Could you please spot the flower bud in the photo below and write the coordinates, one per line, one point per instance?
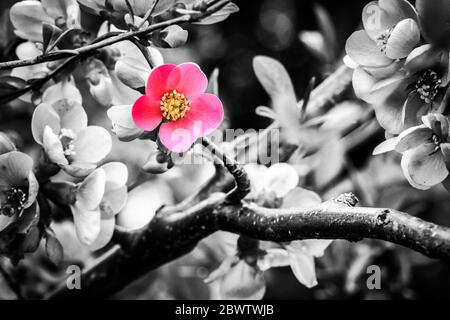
(157, 163)
(101, 90)
(132, 72)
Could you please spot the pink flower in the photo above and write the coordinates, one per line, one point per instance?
(175, 101)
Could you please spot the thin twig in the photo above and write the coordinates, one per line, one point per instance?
(237, 171)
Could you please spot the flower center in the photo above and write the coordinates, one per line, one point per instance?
(67, 136)
(15, 200)
(428, 85)
(383, 38)
(174, 105)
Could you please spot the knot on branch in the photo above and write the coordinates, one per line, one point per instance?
(349, 199)
(383, 218)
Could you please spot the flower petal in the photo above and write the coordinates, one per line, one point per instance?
(301, 198)
(157, 81)
(207, 109)
(105, 235)
(53, 147)
(403, 39)
(91, 191)
(146, 113)
(189, 79)
(313, 247)
(122, 123)
(254, 173)
(62, 90)
(27, 18)
(413, 110)
(385, 146)
(303, 267)
(33, 189)
(178, 136)
(365, 51)
(424, 166)
(44, 116)
(116, 174)
(92, 145)
(71, 114)
(413, 137)
(243, 282)
(274, 258)
(280, 179)
(87, 224)
(15, 168)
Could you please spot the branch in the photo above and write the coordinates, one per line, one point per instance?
(169, 236)
(237, 171)
(91, 48)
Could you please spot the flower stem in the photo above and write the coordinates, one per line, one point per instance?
(237, 171)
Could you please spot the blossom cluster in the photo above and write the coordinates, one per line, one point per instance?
(401, 67)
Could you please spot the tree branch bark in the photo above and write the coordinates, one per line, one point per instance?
(169, 236)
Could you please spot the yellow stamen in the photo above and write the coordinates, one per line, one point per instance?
(174, 105)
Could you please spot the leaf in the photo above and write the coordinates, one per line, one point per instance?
(9, 85)
(328, 30)
(54, 249)
(49, 34)
(213, 82)
(277, 83)
(220, 15)
(171, 37)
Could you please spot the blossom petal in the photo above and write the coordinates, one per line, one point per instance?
(274, 258)
(44, 116)
(413, 110)
(122, 123)
(178, 136)
(71, 114)
(157, 81)
(53, 147)
(314, 247)
(113, 201)
(62, 90)
(424, 166)
(27, 18)
(87, 224)
(301, 198)
(413, 137)
(116, 174)
(146, 113)
(254, 173)
(15, 168)
(105, 234)
(189, 79)
(385, 146)
(303, 267)
(403, 39)
(365, 51)
(207, 109)
(243, 282)
(363, 83)
(92, 144)
(280, 179)
(91, 191)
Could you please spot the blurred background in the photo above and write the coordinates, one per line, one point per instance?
(275, 29)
